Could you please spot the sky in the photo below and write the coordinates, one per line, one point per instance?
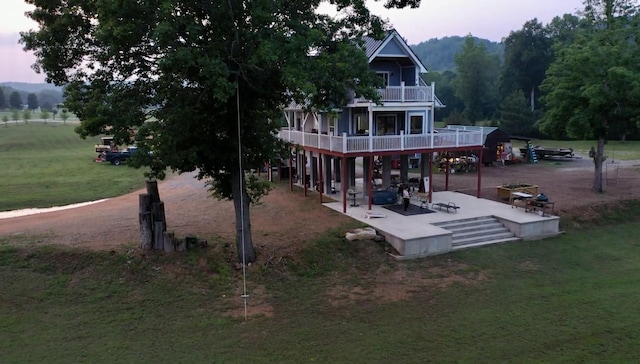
(489, 19)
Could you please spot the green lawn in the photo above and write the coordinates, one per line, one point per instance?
(568, 299)
(50, 165)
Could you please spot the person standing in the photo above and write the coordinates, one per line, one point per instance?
(406, 196)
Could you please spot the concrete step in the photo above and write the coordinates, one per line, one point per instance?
(471, 222)
(467, 233)
(475, 228)
(459, 235)
(483, 243)
(483, 238)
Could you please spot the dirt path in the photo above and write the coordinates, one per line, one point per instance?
(287, 219)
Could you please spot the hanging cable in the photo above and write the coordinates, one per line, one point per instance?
(244, 260)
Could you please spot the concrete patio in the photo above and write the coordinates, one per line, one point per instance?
(477, 222)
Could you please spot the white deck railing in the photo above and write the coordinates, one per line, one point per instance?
(443, 139)
(403, 93)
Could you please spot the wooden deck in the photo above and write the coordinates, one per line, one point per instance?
(441, 139)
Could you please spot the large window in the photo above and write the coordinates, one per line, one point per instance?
(386, 125)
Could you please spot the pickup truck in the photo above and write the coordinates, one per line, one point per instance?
(118, 157)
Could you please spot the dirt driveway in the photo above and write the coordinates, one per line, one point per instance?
(285, 219)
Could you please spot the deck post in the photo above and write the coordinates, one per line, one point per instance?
(320, 176)
(344, 184)
(478, 194)
(401, 139)
(402, 91)
(430, 177)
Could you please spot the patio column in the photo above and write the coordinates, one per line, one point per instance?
(320, 186)
(328, 186)
(344, 184)
(479, 167)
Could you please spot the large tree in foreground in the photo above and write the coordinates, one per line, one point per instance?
(199, 83)
(594, 83)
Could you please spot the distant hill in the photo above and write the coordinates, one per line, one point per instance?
(438, 54)
(31, 87)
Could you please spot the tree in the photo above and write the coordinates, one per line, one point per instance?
(5, 118)
(26, 115)
(594, 83)
(527, 55)
(44, 114)
(15, 100)
(64, 115)
(516, 117)
(15, 114)
(446, 93)
(3, 98)
(476, 81)
(201, 84)
(32, 101)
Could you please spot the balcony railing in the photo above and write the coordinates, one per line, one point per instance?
(442, 139)
(403, 93)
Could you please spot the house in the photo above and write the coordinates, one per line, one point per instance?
(328, 144)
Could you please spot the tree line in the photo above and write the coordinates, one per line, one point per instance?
(518, 90)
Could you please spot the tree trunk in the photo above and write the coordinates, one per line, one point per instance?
(532, 97)
(597, 181)
(244, 242)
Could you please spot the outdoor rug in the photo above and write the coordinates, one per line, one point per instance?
(412, 210)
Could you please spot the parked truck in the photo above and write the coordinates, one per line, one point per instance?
(118, 157)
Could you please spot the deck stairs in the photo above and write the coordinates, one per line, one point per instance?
(476, 232)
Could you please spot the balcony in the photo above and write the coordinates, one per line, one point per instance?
(402, 93)
(351, 144)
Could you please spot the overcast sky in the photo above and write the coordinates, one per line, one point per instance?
(490, 19)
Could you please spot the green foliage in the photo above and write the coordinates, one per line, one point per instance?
(3, 99)
(528, 54)
(439, 54)
(446, 93)
(26, 115)
(516, 117)
(15, 100)
(476, 82)
(32, 101)
(49, 165)
(5, 118)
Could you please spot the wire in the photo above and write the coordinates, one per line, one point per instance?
(244, 260)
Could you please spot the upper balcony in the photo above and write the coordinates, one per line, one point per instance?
(441, 139)
(403, 94)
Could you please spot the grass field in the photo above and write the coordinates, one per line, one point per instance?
(50, 165)
(571, 299)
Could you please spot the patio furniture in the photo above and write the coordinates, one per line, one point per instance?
(449, 206)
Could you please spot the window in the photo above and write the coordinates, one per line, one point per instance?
(361, 123)
(333, 123)
(415, 124)
(386, 125)
(385, 78)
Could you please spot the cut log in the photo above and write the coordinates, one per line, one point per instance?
(157, 210)
(152, 189)
(169, 242)
(144, 202)
(146, 231)
(158, 236)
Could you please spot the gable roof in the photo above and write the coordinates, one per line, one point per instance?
(373, 47)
